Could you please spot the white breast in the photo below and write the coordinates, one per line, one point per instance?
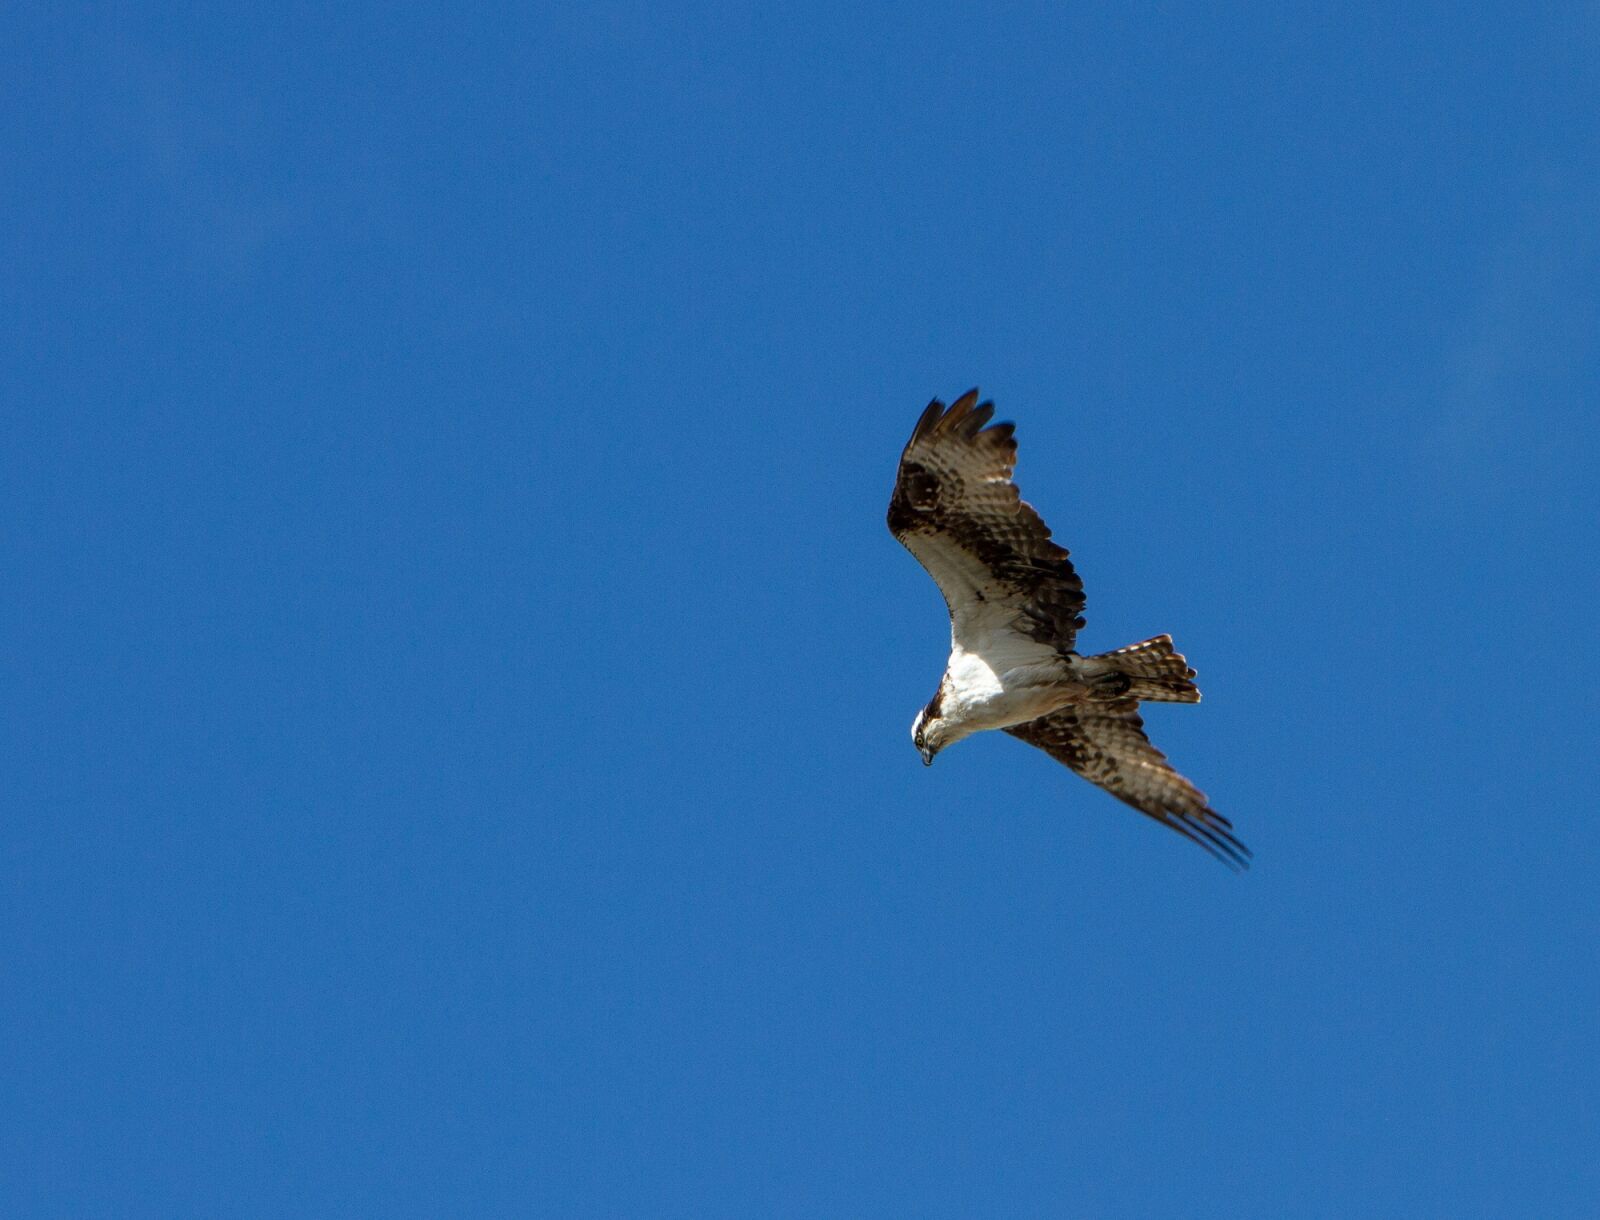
(997, 677)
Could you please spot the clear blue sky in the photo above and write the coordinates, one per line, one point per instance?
(458, 681)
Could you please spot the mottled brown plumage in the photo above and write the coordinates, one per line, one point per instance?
(955, 508)
(1106, 744)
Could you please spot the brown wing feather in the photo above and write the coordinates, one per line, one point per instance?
(956, 509)
(1106, 744)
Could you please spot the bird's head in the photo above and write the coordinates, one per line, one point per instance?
(929, 732)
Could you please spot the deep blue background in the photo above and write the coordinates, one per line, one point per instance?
(457, 679)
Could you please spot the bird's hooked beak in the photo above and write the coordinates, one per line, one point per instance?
(927, 756)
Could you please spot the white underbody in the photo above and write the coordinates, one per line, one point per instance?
(999, 678)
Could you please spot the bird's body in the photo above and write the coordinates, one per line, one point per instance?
(1015, 607)
(995, 681)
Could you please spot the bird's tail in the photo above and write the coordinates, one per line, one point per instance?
(1154, 671)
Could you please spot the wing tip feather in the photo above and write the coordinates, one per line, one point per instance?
(931, 415)
(1214, 833)
(966, 418)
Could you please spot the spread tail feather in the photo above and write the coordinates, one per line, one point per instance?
(1154, 670)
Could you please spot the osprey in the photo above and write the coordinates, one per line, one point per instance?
(1015, 609)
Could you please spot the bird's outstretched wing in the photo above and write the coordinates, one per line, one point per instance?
(1105, 743)
(956, 509)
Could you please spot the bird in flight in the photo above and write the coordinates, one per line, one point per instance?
(1015, 609)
